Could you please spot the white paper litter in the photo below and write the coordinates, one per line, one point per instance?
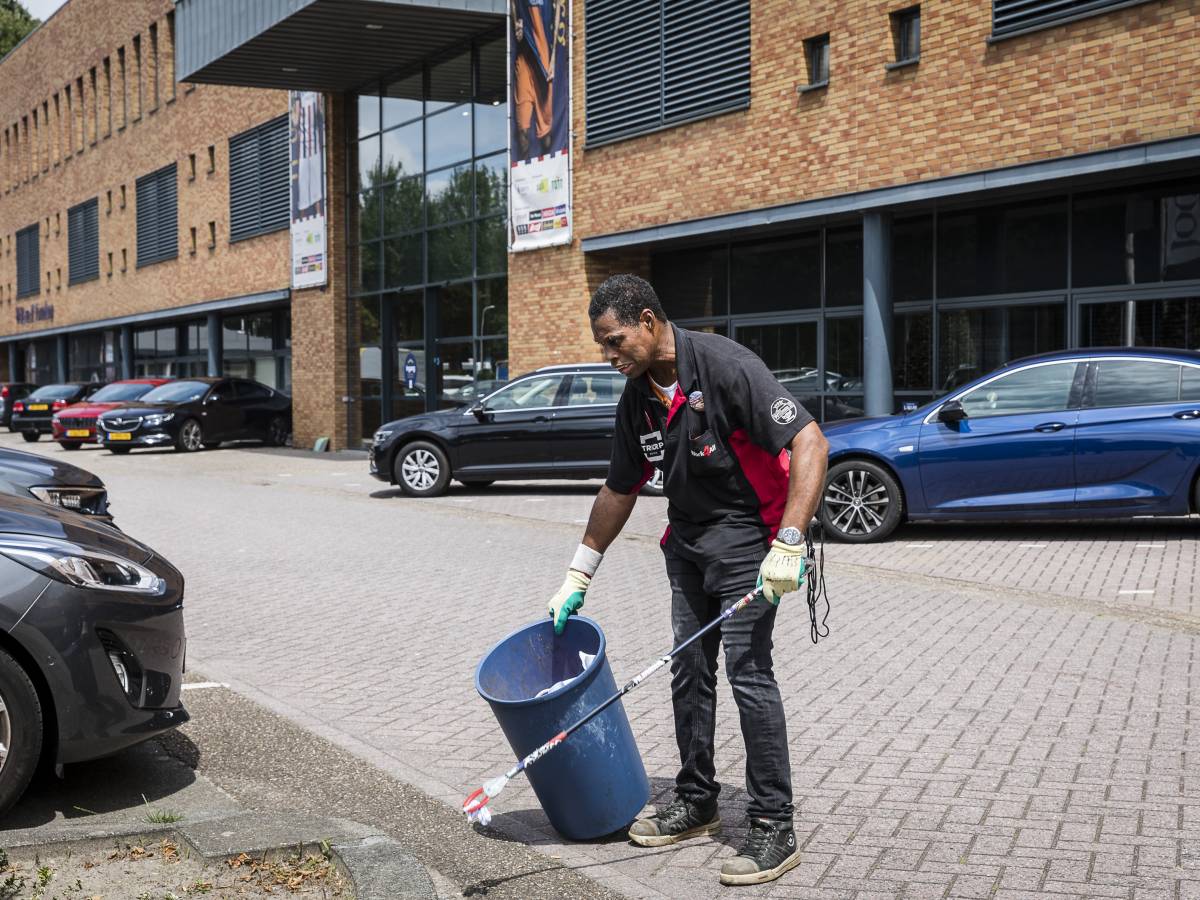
(585, 660)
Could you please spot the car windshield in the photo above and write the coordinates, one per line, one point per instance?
(177, 392)
(54, 392)
(120, 392)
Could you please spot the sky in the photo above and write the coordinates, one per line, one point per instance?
(41, 9)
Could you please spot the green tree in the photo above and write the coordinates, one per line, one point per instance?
(15, 23)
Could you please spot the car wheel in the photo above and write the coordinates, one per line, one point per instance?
(20, 731)
(654, 487)
(119, 450)
(190, 438)
(421, 469)
(70, 445)
(30, 436)
(862, 502)
(277, 432)
(476, 482)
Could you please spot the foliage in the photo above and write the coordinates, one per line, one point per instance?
(15, 23)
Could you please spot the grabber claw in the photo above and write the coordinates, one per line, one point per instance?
(475, 807)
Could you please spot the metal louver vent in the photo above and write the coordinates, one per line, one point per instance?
(1011, 17)
(650, 64)
(83, 242)
(157, 217)
(29, 264)
(259, 180)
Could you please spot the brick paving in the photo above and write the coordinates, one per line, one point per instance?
(986, 720)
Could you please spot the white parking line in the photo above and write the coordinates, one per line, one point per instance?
(202, 685)
(919, 546)
(1034, 546)
(535, 499)
(283, 475)
(352, 484)
(1138, 591)
(1152, 546)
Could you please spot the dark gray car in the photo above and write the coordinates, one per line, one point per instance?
(57, 483)
(91, 641)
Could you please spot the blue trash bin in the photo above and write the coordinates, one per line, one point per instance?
(594, 783)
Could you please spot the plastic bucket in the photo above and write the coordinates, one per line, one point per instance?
(594, 783)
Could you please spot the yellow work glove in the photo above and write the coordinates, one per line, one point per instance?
(569, 599)
(782, 571)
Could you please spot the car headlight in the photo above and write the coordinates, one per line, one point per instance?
(382, 435)
(79, 499)
(158, 419)
(81, 567)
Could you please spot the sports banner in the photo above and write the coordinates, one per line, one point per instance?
(306, 139)
(539, 145)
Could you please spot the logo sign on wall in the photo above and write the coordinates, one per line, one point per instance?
(306, 136)
(539, 143)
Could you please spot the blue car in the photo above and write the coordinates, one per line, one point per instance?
(1076, 434)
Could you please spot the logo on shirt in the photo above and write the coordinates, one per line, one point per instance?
(652, 446)
(783, 410)
(703, 450)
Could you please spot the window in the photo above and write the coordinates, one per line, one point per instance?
(770, 276)
(250, 390)
(1032, 390)
(693, 284)
(152, 73)
(530, 393)
(689, 61)
(1129, 382)
(973, 341)
(1168, 323)
(259, 186)
(1189, 385)
(589, 390)
(906, 33)
(1002, 249)
(816, 55)
(157, 217)
(1011, 17)
(28, 261)
(136, 92)
(83, 242)
(122, 89)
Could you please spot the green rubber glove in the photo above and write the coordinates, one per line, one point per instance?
(782, 571)
(569, 599)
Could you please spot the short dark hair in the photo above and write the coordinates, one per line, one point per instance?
(625, 296)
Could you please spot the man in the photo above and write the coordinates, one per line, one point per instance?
(708, 413)
(533, 75)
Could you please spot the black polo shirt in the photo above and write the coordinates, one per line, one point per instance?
(720, 447)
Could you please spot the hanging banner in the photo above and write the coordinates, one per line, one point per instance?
(306, 138)
(539, 145)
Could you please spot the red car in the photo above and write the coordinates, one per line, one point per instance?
(76, 425)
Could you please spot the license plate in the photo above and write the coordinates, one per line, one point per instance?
(77, 432)
(120, 436)
(37, 407)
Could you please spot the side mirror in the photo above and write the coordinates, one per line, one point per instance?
(951, 411)
(479, 412)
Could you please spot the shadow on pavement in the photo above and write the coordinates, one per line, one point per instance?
(511, 489)
(1024, 532)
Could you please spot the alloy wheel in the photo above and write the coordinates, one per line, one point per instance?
(190, 435)
(857, 502)
(5, 733)
(420, 469)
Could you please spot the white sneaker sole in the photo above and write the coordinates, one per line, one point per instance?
(664, 840)
(762, 877)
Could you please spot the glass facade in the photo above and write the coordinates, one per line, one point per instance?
(428, 233)
(973, 286)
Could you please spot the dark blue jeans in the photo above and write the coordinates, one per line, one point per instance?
(699, 592)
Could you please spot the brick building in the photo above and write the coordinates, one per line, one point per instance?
(119, 256)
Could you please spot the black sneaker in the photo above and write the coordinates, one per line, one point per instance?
(769, 852)
(678, 822)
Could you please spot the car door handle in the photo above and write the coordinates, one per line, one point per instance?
(1188, 414)
(541, 419)
(1048, 427)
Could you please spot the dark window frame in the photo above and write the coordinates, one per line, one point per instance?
(29, 264)
(816, 60)
(83, 242)
(906, 36)
(260, 180)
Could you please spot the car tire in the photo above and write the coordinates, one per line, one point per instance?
(211, 445)
(70, 445)
(654, 487)
(120, 451)
(862, 502)
(421, 469)
(20, 731)
(30, 436)
(190, 437)
(277, 432)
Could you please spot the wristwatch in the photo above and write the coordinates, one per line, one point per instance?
(793, 537)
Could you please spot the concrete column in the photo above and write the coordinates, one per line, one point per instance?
(126, 351)
(14, 357)
(877, 314)
(60, 368)
(215, 348)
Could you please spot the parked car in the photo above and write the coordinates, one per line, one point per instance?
(198, 412)
(556, 422)
(10, 392)
(477, 390)
(75, 425)
(92, 654)
(57, 483)
(1077, 434)
(32, 416)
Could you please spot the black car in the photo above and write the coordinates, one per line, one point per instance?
(32, 416)
(199, 412)
(57, 483)
(92, 650)
(10, 392)
(556, 422)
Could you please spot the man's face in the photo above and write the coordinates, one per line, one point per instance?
(627, 348)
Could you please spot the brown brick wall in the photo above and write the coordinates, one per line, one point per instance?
(1126, 77)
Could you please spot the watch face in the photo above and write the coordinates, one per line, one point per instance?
(790, 536)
